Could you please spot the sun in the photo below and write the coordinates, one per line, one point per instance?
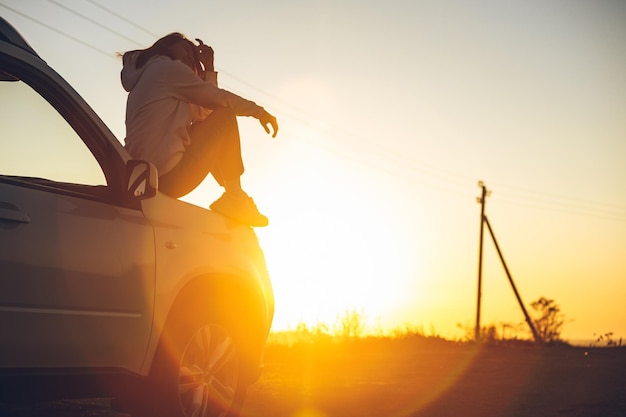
(332, 247)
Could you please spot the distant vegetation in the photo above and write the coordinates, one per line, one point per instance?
(606, 339)
(351, 326)
(548, 319)
(546, 316)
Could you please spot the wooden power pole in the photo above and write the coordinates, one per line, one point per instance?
(482, 201)
(483, 221)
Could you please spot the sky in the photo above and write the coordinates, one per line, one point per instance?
(390, 113)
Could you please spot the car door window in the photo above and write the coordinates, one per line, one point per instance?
(36, 142)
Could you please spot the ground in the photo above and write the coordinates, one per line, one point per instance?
(417, 378)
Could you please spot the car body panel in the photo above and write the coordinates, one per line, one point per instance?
(185, 241)
(77, 278)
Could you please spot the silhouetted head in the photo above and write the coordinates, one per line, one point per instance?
(175, 46)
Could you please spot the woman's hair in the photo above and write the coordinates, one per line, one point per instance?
(163, 47)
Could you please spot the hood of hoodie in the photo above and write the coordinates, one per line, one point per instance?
(130, 74)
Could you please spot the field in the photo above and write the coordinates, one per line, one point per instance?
(417, 377)
(438, 378)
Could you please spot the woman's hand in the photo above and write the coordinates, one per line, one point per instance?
(267, 119)
(207, 56)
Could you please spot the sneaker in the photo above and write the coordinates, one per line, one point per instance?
(239, 208)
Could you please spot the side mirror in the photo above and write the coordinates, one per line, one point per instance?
(142, 180)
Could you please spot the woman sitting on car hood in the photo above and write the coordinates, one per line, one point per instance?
(179, 120)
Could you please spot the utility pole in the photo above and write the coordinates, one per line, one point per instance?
(483, 221)
(482, 201)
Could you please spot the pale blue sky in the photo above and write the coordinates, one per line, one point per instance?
(390, 113)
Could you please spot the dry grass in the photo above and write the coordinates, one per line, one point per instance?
(422, 376)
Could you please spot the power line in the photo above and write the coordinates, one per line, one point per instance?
(411, 176)
(75, 39)
(359, 140)
(565, 204)
(95, 22)
(333, 131)
(122, 18)
(570, 209)
(565, 200)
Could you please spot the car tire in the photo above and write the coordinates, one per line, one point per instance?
(198, 371)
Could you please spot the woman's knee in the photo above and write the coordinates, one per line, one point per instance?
(221, 122)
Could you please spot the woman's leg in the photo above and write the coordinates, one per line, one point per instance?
(215, 147)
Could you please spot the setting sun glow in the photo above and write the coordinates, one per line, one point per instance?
(333, 256)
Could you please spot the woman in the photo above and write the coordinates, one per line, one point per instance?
(178, 119)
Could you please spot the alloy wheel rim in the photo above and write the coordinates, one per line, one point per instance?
(208, 373)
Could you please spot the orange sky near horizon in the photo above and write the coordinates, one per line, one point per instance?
(390, 113)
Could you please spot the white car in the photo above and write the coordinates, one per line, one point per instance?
(108, 287)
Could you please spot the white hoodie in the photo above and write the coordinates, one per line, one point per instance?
(159, 107)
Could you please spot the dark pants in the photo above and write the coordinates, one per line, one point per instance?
(215, 147)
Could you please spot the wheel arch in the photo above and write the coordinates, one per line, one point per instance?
(236, 302)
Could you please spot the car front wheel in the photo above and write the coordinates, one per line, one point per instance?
(198, 375)
(208, 373)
